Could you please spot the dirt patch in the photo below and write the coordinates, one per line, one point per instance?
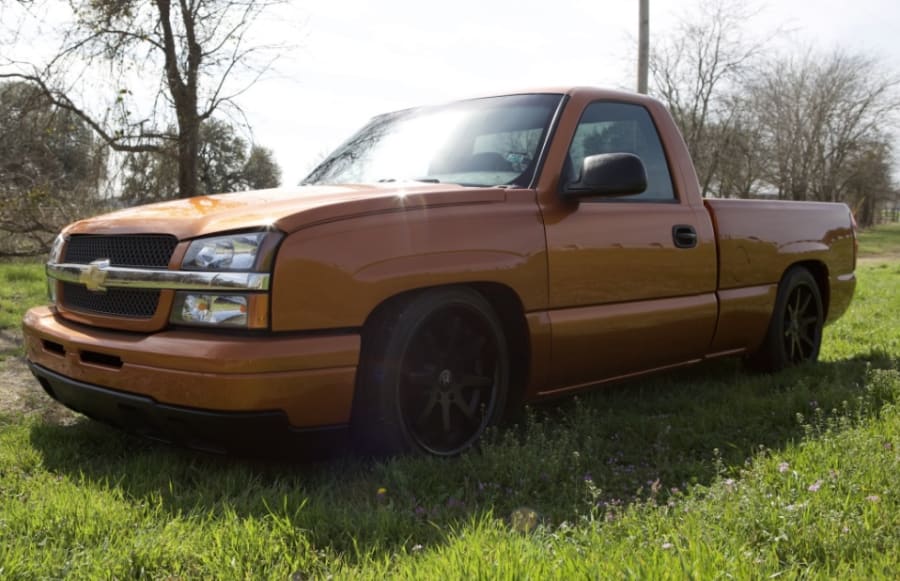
(10, 341)
(875, 258)
(20, 393)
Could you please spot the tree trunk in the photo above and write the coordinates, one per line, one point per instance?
(183, 88)
(188, 154)
(865, 215)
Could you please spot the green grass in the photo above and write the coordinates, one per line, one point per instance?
(22, 285)
(880, 241)
(709, 472)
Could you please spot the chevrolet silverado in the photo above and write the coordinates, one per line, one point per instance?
(441, 265)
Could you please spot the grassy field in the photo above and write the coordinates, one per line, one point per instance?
(881, 242)
(22, 285)
(707, 473)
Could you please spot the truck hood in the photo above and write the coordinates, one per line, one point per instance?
(284, 209)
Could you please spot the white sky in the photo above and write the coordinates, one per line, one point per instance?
(354, 59)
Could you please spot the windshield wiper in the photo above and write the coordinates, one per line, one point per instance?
(423, 180)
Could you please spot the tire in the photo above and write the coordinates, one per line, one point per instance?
(795, 330)
(434, 374)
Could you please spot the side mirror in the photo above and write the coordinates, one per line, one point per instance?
(608, 174)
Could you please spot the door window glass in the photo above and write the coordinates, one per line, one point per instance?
(607, 127)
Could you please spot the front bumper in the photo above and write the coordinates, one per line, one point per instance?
(308, 379)
(250, 433)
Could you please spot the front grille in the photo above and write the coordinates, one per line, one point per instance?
(137, 250)
(116, 302)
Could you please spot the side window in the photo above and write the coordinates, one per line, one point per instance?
(607, 127)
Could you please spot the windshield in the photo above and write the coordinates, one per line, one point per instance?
(482, 142)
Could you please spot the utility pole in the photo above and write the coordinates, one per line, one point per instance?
(643, 45)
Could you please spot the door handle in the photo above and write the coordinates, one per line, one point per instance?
(684, 236)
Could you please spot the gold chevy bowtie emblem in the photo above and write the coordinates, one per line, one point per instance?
(95, 275)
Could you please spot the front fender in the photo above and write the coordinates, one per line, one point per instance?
(333, 275)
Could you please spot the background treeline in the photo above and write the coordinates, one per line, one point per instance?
(761, 117)
(53, 169)
(764, 118)
(134, 106)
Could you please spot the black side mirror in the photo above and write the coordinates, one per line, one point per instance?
(608, 174)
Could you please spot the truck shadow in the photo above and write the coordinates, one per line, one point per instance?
(644, 440)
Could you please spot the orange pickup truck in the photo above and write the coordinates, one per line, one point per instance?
(443, 264)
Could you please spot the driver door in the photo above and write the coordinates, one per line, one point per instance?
(626, 295)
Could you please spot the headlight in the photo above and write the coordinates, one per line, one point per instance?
(233, 310)
(56, 249)
(248, 252)
(51, 290)
(55, 257)
(232, 252)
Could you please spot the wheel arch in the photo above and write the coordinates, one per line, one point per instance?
(508, 306)
(772, 354)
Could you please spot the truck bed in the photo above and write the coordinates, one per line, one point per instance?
(759, 239)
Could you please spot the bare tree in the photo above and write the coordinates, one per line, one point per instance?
(226, 163)
(740, 161)
(696, 70)
(191, 47)
(868, 187)
(50, 170)
(824, 121)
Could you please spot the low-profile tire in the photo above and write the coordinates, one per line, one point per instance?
(434, 374)
(795, 330)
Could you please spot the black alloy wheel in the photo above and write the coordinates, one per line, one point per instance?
(795, 330)
(802, 325)
(451, 375)
(436, 375)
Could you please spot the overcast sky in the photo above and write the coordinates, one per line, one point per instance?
(353, 59)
